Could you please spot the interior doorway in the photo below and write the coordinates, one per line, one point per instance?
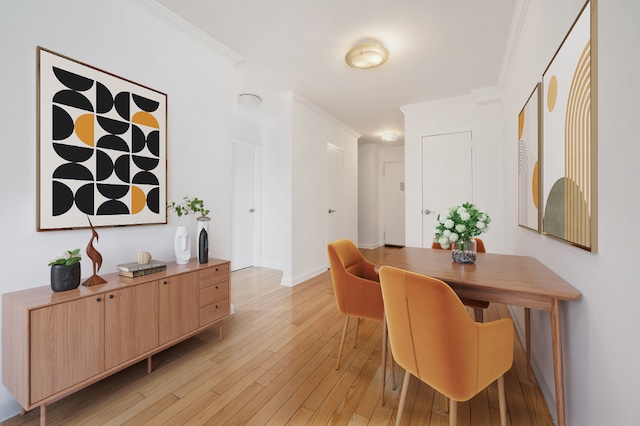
(393, 203)
(243, 208)
(335, 194)
(447, 177)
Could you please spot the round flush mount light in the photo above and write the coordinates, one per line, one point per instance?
(249, 100)
(367, 54)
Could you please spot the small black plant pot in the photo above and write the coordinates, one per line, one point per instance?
(65, 277)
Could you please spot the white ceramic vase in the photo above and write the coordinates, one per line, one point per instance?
(182, 245)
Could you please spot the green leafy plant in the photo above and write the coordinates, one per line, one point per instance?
(459, 224)
(67, 257)
(189, 205)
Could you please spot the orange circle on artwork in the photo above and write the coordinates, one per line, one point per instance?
(520, 125)
(552, 93)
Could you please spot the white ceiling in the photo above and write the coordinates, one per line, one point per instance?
(438, 49)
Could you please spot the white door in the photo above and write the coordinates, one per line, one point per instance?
(447, 177)
(243, 206)
(393, 203)
(335, 203)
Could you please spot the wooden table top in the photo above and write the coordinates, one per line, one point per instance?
(518, 280)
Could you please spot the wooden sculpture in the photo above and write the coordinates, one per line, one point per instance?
(96, 259)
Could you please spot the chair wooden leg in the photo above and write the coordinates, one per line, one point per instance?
(446, 403)
(478, 314)
(453, 412)
(502, 401)
(355, 341)
(344, 334)
(385, 343)
(403, 396)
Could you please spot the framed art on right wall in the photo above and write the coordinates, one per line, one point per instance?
(570, 136)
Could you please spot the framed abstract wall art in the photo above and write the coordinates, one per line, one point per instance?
(570, 136)
(101, 148)
(528, 162)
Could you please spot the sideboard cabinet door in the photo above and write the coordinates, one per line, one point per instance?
(178, 306)
(66, 345)
(131, 323)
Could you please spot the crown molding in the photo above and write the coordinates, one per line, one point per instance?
(173, 20)
(301, 100)
(517, 23)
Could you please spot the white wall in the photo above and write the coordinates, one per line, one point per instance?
(313, 129)
(464, 113)
(368, 196)
(601, 343)
(122, 38)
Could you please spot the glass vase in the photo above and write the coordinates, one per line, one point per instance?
(464, 251)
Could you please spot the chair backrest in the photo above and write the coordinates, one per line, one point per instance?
(433, 337)
(352, 276)
(479, 246)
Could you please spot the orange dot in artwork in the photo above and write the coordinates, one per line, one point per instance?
(84, 128)
(145, 119)
(552, 93)
(138, 200)
(535, 185)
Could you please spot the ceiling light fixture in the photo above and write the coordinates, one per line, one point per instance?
(367, 54)
(249, 101)
(389, 136)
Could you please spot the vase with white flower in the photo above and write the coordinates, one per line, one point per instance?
(182, 240)
(456, 228)
(65, 270)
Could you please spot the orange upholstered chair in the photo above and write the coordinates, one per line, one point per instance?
(357, 288)
(433, 338)
(477, 305)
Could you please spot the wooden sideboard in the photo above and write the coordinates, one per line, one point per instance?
(54, 344)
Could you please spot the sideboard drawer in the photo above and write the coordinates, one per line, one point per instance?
(213, 293)
(213, 312)
(216, 274)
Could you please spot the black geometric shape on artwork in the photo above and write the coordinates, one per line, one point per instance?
(73, 99)
(122, 105)
(153, 200)
(104, 99)
(85, 198)
(114, 127)
(145, 178)
(62, 124)
(62, 198)
(111, 191)
(104, 165)
(75, 154)
(138, 140)
(145, 163)
(72, 80)
(122, 168)
(72, 171)
(112, 207)
(113, 142)
(153, 142)
(145, 104)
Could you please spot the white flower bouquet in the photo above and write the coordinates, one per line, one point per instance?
(459, 224)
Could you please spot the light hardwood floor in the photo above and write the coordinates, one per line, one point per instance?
(276, 366)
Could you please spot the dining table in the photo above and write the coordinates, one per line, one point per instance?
(502, 278)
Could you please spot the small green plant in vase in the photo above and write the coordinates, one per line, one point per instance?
(65, 270)
(182, 243)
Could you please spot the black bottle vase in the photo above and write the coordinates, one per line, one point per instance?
(65, 277)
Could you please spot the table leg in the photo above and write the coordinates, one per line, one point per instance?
(556, 339)
(527, 339)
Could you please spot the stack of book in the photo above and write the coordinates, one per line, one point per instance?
(134, 269)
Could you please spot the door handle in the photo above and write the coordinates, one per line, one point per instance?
(252, 210)
(331, 211)
(427, 211)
